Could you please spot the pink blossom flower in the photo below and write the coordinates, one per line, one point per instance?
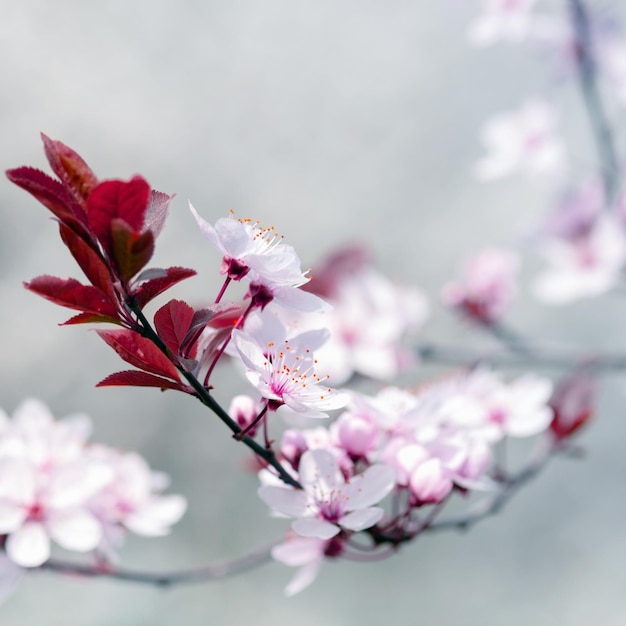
(37, 506)
(258, 255)
(487, 285)
(523, 140)
(370, 317)
(583, 266)
(131, 499)
(306, 553)
(508, 20)
(55, 487)
(327, 503)
(284, 372)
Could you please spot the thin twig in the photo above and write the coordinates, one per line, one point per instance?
(451, 356)
(596, 112)
(167, 579)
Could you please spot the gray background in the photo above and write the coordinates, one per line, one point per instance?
(346, 120)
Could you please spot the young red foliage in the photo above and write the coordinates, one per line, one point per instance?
(140, 352)
(69, 293)
(131, 251)
(71, 168)
(89, 260)
(51, 193)
(133, 378)
(149, 289)
(117, 199)
(172, 322)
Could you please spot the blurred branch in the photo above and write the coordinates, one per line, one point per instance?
(171, 579)
(587, 77)
(492, 506)
(538, 357)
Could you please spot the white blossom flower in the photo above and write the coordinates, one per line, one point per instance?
(258, 255)
(487, 285)
(522, 140)
(583, 266)
(56, 487)
(508, 20)
(284, 372)
(327, 503)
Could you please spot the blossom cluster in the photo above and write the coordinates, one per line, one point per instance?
(421, 447)
(55, 486)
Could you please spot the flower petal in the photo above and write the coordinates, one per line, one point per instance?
(29, 546)
(311, 527)
(364, 518)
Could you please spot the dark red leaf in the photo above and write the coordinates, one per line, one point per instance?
(117, 198)
(172, 322)
(157, 211)
(70, 293)
(149, 289)
(89, 260)
(130, 251)
(133, 378)
(217, 315)
(140, 352)
(70, 167)
(90, 318)
(48, 191)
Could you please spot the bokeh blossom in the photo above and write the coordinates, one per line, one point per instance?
(54, 486)
(524, 140)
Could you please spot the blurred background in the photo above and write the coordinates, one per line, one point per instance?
(334, 121)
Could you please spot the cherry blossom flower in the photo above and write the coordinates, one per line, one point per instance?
(37, 506)
(56, 487)
(369, 318)
(487, 285)
(131, 499)
(284, 373)
(306, 553)
(583, 266)
(258, 255)
(508, 20)
(522, 140)
(328, 504)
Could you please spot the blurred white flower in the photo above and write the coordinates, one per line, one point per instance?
(524, 140)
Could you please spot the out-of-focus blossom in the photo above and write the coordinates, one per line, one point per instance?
(506, 20)
(584, 265)
(573, 403)
(54, 486)
(370, 317)
(327, 503)
(132, 499)
(284, 372)
(522, 141)
(306, 553)
(487, 285)
(244, 410)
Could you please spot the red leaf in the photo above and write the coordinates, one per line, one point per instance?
(89, 260)
(149, 289)
(133, 378)
(156, 213)
(117, 198)
(48, 191)
(172, 322)
(131, 251)
(90, 318)
(70, 293)
(140, 352)
(70, 167)
(215, 316)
